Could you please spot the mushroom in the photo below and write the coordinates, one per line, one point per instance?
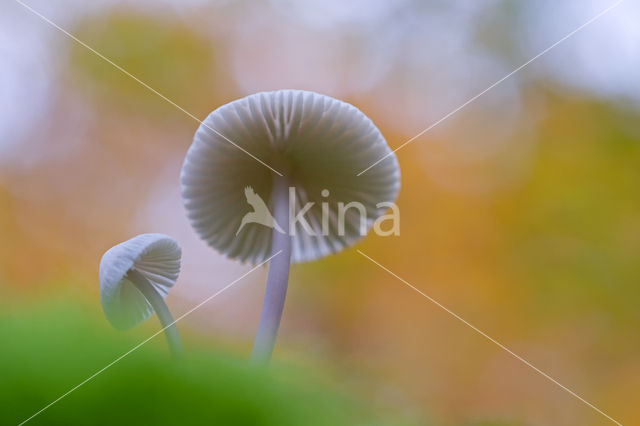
(135, 277)
(306, 150)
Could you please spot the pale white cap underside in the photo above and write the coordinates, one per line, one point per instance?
(326, 143)
(156, 257)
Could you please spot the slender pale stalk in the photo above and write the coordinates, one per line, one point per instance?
(162, 311)
(278, 276)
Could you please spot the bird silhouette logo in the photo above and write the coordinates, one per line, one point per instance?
(260, 213)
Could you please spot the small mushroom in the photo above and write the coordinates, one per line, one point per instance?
(306, 150)
(135, 277)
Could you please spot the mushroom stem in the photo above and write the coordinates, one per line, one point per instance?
(278, 277)
(162, 311)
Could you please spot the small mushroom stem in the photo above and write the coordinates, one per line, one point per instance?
(278, 277)
(162, 311)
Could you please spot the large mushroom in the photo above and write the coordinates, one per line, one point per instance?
(306, 150)
(135, 277)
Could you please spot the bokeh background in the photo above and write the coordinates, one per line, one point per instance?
(521, 213)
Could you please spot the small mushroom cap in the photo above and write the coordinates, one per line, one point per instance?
(318, 142)
(156, 257)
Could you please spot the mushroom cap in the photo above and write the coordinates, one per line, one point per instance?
(156, 257)
(319, 143)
